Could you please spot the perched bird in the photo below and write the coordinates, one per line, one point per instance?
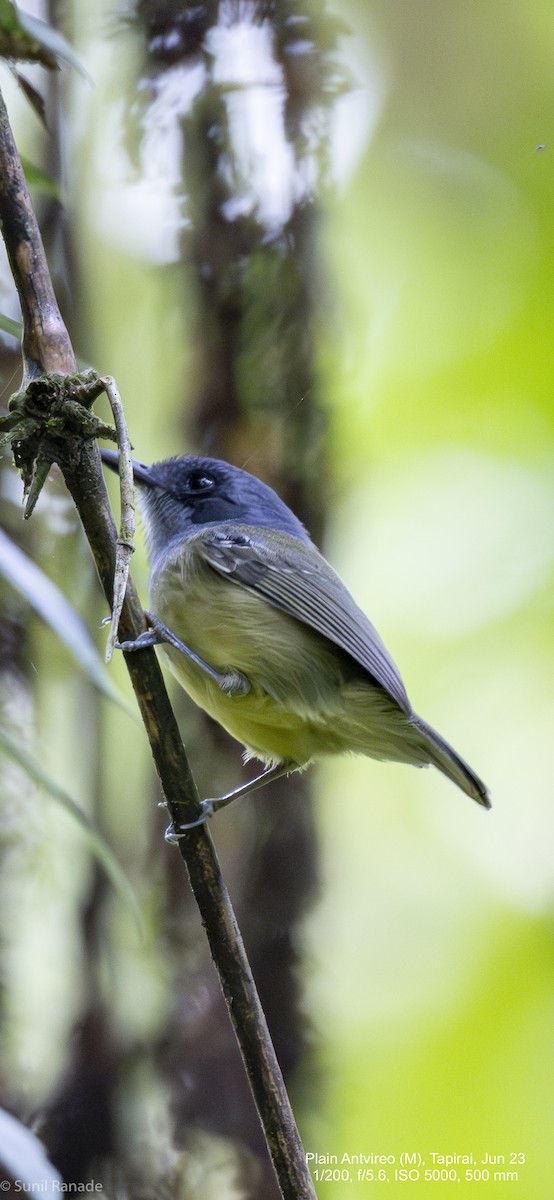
(262, 633)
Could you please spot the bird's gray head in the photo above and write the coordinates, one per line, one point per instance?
(180, 495)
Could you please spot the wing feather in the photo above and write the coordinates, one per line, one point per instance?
(294, 577)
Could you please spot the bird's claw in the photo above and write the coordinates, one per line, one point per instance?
(142, 642)
(179, 829)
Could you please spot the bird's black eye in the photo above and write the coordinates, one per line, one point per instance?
(200, 482)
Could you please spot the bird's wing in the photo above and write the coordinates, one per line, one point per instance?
(295, 578)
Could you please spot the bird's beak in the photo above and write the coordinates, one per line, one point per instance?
(141, 471)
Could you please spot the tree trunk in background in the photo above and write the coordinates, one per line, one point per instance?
(251, 399)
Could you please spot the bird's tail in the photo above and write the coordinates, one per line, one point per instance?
(444, 757)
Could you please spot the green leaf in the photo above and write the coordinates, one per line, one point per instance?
(40, 180)
(98, 845)
(33, 96)
(8, 17)
(11, 326)
(50, 604)
(25, 38)
(24, 1158)
(52, 40)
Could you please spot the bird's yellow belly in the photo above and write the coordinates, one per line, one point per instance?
(283, 714)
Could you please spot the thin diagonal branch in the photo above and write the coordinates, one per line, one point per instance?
(47, 349)
(44, 334)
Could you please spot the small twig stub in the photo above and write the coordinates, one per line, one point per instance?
(125, 540)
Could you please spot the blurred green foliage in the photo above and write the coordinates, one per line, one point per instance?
(432, 949)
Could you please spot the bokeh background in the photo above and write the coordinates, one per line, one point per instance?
(418, 431)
